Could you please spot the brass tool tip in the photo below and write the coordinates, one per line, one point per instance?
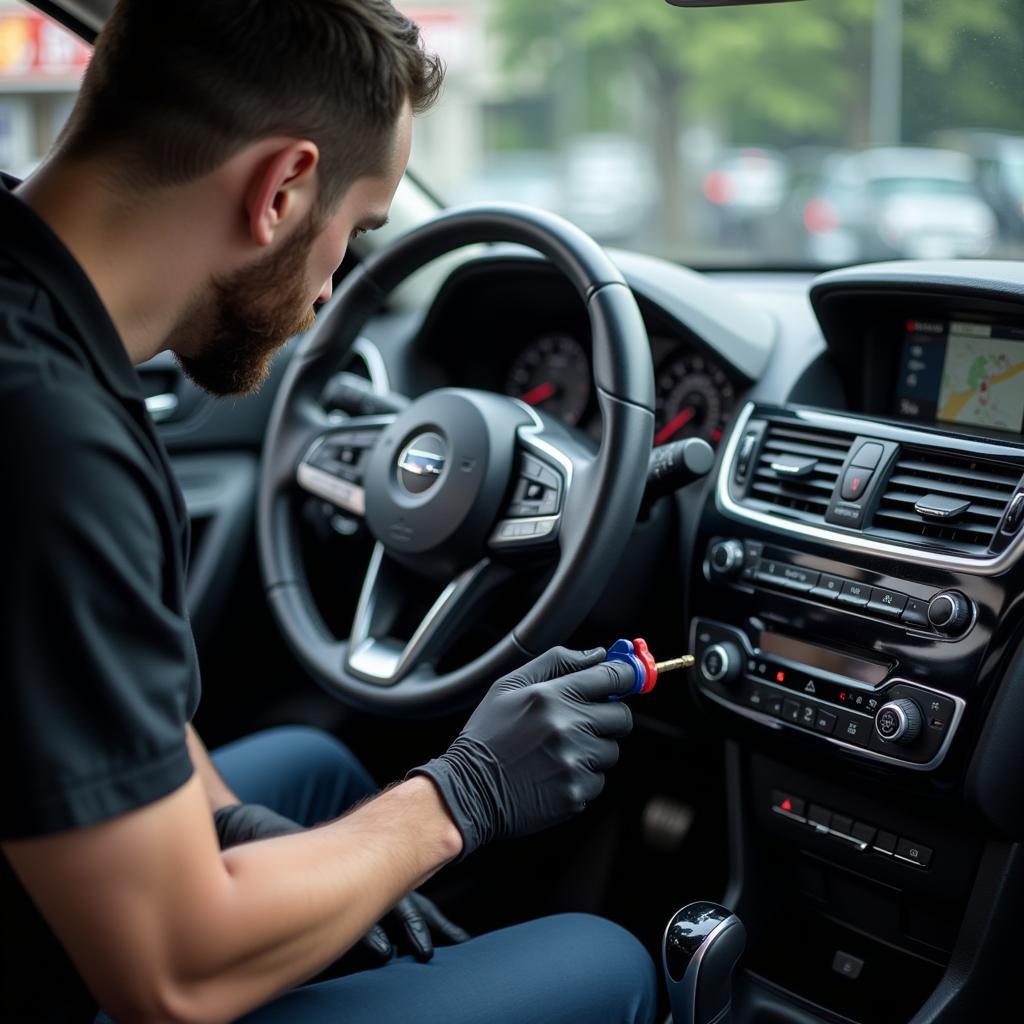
(686, 661)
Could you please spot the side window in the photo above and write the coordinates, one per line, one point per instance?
(41, 66)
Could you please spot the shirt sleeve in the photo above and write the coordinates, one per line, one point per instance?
(95, 662)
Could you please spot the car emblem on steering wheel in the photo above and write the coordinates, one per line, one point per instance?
(421, 462)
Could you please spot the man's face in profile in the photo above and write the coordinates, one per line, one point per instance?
(248, 316)
(231, 334)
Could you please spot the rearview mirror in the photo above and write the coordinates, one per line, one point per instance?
(725, 3)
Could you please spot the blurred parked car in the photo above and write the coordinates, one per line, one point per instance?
(610, 186)
(743, 188)
(999, 160)
(890, 202)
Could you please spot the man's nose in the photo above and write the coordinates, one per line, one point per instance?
(326, 292)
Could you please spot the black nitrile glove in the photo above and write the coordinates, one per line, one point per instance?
(533, 752)
(417, 918)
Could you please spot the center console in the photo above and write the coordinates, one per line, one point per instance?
(857, 590)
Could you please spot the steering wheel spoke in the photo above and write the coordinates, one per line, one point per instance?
(333, 466)
(378, 652)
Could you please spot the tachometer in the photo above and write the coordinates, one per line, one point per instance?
(694, 398)
(552, 373)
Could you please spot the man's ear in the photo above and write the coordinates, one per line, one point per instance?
(282, 189)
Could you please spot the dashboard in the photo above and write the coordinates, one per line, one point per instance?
(483, 335)
(849, 577)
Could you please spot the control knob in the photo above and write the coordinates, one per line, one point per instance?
(721, 662)
(950, 612)
(726, 557)
(899, 721)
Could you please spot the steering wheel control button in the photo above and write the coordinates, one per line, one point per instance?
(855, 484)
(899, 721)
(913, 853)
(855, 594)
(950, 612)
(887, 602)
(867, 456)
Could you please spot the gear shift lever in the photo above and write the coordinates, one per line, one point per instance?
(702, 943)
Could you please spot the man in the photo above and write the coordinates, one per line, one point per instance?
(217, 162)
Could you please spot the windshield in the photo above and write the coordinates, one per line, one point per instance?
(758, 136)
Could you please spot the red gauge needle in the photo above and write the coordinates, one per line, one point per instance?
(675, 424)
(541, 393)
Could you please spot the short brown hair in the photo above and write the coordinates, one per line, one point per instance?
(175, 89)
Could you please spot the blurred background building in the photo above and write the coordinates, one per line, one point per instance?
(807, 134)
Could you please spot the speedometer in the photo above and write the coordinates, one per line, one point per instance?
(553, 374)
(694, 398)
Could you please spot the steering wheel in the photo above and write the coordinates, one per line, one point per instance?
(463, 489)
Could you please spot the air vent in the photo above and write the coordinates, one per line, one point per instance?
(797, 468)
(977, 490)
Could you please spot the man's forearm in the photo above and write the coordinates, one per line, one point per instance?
(217, 790)
(293, 904)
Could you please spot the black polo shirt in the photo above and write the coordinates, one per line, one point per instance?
(97, 661)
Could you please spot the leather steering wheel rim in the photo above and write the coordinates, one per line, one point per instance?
(601, 504)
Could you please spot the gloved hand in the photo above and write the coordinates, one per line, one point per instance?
(533, 752)
(417, 919)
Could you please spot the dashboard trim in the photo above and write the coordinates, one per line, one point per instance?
(848, 540)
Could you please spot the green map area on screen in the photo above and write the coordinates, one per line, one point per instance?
(982, 382)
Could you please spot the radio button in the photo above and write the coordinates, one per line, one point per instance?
(855, 483)
(868, 456)
(795, 578)
(885, 843)
(829, 587)
(913, 853)
(854, 729)
(807, 715)
(916, 613)
(857, 594)
(773, 704)
(791, 710)
(888, 602)
(824, 721)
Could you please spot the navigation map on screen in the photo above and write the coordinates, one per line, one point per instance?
(965, 373)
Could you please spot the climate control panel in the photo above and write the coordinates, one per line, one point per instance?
(856, 703)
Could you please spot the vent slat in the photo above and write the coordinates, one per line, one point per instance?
(954, 469)
(802, 448)
(805, 498)
(826, 485)
(987, 485)
(900, 499)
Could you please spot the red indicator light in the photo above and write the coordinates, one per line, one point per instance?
(856, 484)
(787, 804)
(842, 695)
(780, 677)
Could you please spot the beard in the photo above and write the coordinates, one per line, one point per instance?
(246, 318)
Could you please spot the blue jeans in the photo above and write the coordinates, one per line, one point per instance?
(566, 969)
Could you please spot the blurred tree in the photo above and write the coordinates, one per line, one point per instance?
(772, 74)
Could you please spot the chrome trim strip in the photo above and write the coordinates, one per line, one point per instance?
(851, 541)
(383, 662)
(374, 363)
(529, 436)
(351, 497)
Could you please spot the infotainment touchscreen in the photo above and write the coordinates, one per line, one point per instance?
(960, 372)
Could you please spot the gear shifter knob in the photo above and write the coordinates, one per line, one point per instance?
(702, 943)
